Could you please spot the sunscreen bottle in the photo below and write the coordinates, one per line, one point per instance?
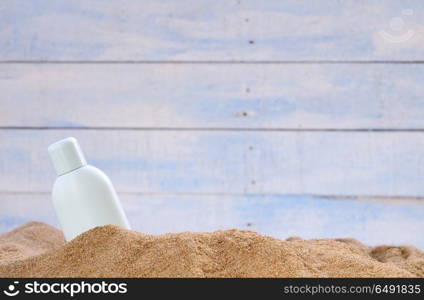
(83, 196)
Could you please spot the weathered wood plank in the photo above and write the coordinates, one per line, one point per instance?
(219, 162)
(211, 30)
(213, 96)
(278, 216)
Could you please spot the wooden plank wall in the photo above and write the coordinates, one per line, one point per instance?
(284, 117)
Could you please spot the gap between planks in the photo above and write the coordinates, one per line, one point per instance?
(211, 62)
(240, 129)
(394, 199)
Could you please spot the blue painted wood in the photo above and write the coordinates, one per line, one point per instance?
(280, 216)
(227, 162)
(211, 30)
(218, 96)
(247, 174)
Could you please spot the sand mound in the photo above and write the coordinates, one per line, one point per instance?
(405, 257)
(31, 239)
(109, 251)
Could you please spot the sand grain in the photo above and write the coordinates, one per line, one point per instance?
(110, 251)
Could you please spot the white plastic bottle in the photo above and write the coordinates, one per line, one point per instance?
(83, 196)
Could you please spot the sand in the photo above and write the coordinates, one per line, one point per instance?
(29, 240)
(39, 250)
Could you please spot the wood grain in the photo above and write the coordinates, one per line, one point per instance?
(227, 162)
(279, 216)
(270, 96)
(221, 114)
(210, 30)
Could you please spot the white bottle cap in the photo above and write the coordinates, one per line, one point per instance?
(66, 155)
